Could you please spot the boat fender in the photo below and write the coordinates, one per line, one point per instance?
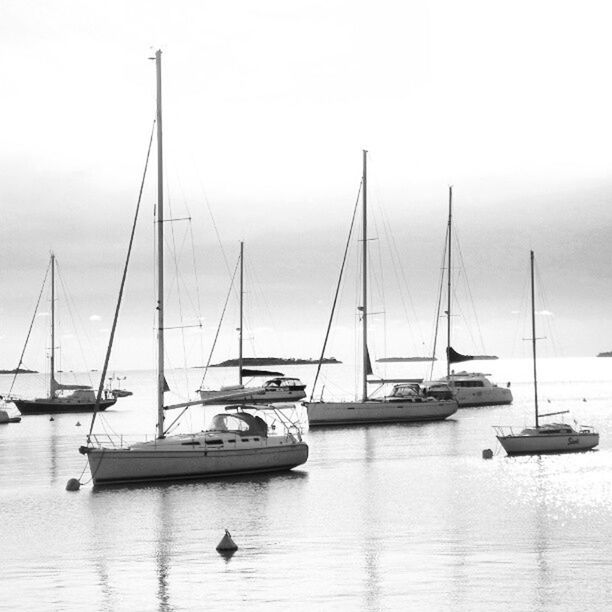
(227, 544)
(73, 485)
(487, 453)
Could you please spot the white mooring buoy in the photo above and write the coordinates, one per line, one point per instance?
(73, 485)
(487, 453)
(227, 545)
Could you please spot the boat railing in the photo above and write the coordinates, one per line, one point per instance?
(119, 440)
(504, 430)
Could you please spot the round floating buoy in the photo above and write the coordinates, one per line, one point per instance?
(584, 399)
(51, 419)
(78, 424)
(487, 453)
(227, 544)
(73, 485)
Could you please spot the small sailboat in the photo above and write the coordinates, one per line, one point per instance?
(82, 398)
(407, 401)
(239, 441)
(550, 437)
(470, 388)
(277, 389)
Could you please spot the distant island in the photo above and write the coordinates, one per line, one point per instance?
(268, 361)
(483, 357)
(606, 354)
(400, 359)
(18, 371)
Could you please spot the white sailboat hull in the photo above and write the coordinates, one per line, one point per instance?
(349, 413)
(160, 461)
(541, 444)
(258, 396)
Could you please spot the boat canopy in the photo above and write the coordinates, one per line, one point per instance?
(240, 422)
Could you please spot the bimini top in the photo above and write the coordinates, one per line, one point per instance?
(242, 423)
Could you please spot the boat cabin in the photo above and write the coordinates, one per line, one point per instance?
(286, 384)
(550, 429)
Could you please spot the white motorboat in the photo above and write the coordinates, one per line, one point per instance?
(390, 409)
(475, 389)
(471, 388)
(277, 389)
(551, 437)
(239, 442)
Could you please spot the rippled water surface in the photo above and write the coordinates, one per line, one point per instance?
(379, 518)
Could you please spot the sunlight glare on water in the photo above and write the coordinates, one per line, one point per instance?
(380, 517)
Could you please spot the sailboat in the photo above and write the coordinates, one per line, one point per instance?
(550, 437)
(277, 389)
(470, 388)
(239, 440)
(82, 398)
(407, 401)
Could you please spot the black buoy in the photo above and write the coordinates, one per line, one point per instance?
(78, 424)
(73, 485)
(487, 453)
(51, 418)
(227, 545)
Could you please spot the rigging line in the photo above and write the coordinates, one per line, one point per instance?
(439, 306)
(331, 317)
(175, 257)
(197, 284)
(75, 319)
(227, 297)
(29, 329)
(119, 298)
(469, 291)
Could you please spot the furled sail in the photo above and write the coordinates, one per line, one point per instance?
(454, 357)
(368, 363)
(249, 372)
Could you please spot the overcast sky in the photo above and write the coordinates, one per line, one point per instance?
(267, 106)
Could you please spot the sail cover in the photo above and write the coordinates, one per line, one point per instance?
(249, 372)
(454, 357)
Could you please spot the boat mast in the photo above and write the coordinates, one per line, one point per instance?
(241, 313)
(52, 357)
(533, 340)
(448, 297)
(161, 381)
(364, 254)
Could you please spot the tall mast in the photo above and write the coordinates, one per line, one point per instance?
(364, 282)
(161, 381)
(52, 358)
(448, 290)
(241, 313)
(533, 340)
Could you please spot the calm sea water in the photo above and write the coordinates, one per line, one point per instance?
(380, 518)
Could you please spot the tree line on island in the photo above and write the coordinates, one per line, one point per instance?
(268, 361)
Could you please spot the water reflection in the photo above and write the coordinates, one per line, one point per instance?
(164, 549)
(371, 543)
